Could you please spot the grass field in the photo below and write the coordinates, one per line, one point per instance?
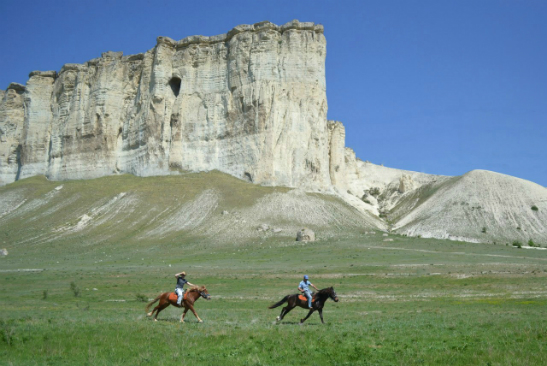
(75, 297)
(406, 302)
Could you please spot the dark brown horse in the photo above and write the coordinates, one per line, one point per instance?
(170, 298)
(318, 301)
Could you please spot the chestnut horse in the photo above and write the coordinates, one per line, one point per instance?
(170, 298)
(318, 301)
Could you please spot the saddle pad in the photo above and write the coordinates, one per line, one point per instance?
(173, 296)
(304, 298)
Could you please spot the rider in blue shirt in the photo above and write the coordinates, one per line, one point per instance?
(304, 288)
(181, 281)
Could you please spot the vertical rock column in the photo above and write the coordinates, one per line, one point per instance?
(12, 116)
(337, 151)
(36, 137)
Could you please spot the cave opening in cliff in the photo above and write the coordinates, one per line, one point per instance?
(174, 83)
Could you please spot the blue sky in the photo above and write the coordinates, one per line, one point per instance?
(440, 87)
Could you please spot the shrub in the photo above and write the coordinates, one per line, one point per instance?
(44, 295)
(483, 230)
(374, 191)
(532, 244)
(517, 244)
(75, 289)
(141, 298)
(535, 208)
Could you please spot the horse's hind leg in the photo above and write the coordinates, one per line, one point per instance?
(183, 315)
(307, 316)
(284, 312)
(159, 308)
(154, 310)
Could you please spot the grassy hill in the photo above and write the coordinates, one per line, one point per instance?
(38, 214)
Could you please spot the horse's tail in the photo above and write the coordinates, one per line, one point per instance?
(284, 300)
(152, 302)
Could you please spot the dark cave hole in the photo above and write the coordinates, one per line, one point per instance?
(174, 83)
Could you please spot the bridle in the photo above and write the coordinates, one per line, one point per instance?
(332, 295)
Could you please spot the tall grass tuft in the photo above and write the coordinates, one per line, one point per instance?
(75, 289)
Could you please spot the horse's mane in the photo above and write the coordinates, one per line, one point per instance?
(324, 290)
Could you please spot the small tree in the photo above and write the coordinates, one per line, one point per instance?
(535, 208)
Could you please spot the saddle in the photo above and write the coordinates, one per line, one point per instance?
(174, 297)
(304, 298)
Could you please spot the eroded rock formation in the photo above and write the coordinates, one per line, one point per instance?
(251, 103)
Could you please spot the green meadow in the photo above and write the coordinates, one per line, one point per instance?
(409, 301)
(406, 302)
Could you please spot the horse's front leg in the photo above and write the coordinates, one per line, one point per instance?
(307, 316)
(321, 314)
(195, 314)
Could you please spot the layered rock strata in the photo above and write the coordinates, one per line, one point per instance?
(251, 103)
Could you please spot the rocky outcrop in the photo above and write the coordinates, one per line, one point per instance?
(305, 235)
(405, 183)
(250, 103)
(337, 158)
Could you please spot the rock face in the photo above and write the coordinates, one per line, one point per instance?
(251, 103)
(405, 183)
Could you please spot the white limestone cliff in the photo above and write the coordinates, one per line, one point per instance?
(251, 103)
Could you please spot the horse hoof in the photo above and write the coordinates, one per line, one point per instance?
(200, 321)
(278, 319)
(149, 314)
(155, 320)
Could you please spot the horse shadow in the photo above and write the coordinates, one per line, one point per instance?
(174, 321)
(298, 323)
